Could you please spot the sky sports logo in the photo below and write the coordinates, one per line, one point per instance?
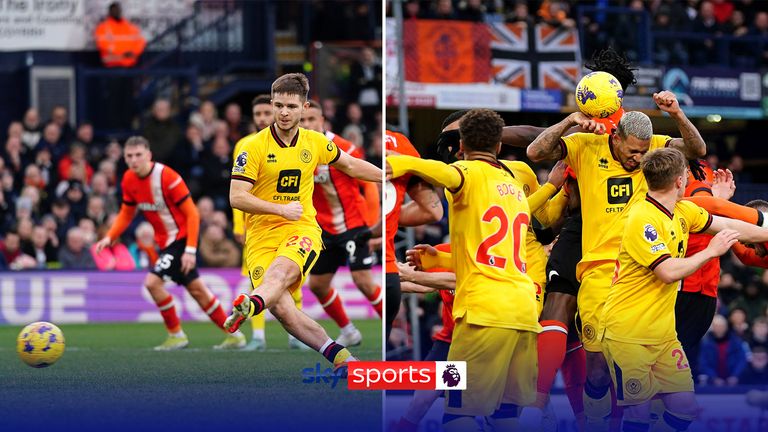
(407, 375)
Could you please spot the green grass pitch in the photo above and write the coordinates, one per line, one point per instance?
(110, 379)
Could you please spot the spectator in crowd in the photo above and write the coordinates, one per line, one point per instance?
(751, 301)
(60, 117)
(760, 28)
(144, 249)
(737, 319)
(759, 334)
(412, 9)
(75, 195)
(520, 14)
(112, 257)
(555, 13)
(471, 10)
(89, 230)
(100, 188)
(205, 120)
(217, 250)
(16, 129)
(261, 109)
(24, 228)
(756, 372)
(109, 169)
(366, 81)
(238, 128)
(705, 52)
(76, 156)
(33, 129)
(189, 157)
(84, 135)
(722, 357)
(62, 216)
(52, 140)
(13, 157)
(355, 129)
(41, 248)
(206, 209)
(119, 42)
(442, 10)
(96, 210)
(216, 170)
(48, 172)
(162, 132)
(672, 50)
(74, 253)
(736, 165)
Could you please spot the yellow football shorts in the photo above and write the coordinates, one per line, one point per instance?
(639, 372)
(502, 366)
(301, 245)
(595, 284)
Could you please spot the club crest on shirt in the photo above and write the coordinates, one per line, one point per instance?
(305, 156)
(650, 234)
(240, 162)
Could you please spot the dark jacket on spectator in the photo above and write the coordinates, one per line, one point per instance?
(722, 358)
(163, 138)
(752, 376)
(71, 260)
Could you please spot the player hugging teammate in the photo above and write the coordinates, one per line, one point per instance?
(625, 272)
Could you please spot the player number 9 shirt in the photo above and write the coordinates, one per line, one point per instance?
(282, 173)
(640, 307)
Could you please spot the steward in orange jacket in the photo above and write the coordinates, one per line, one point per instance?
(120, 43)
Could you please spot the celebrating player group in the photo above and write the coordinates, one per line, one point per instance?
(624, 296)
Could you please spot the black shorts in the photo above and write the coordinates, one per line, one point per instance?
(439, 351)
(168, 265)
(349, 247)
(693, 316)
(566, 253)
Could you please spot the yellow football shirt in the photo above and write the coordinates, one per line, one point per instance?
(281, 173)
(488, 219)
(640, 307)
(536, 256)
(606, 189)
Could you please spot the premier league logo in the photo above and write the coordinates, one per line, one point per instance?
(451, 376)
(650, 233)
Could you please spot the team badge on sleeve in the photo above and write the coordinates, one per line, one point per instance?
(240, 162)
(650, 233)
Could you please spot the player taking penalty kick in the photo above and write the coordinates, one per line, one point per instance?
(272, 182)
(495, 302)
(638, 335)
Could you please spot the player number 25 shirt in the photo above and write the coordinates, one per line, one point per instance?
(640, 307)
(282, 172)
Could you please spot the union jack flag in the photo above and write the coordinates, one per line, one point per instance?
(538, 57)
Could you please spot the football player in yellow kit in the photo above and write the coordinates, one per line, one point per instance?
(637, 325)
(272, 181)
(495, 302)
(606, 166)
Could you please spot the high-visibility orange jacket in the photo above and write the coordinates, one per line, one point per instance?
(120, 43)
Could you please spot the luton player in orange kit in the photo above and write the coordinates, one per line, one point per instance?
(425, 208)
(161, 194)
(342, 212)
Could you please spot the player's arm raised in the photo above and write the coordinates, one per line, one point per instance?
(674, 269)
(357, 168)
(546, 146)
(691, 144)
(240, 198)
(425, 206)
